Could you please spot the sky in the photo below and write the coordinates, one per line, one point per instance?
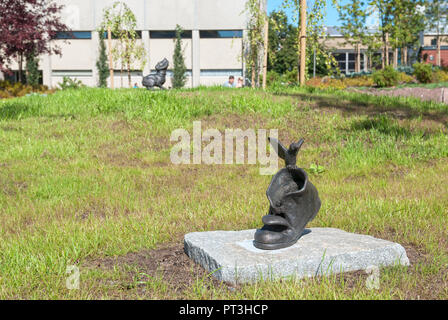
(330, 20)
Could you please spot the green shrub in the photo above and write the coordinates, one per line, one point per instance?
(286, 79)
(272, 78)
(12, 90)
(423, 72)
(363, 81)
(387, 77)
(405, 78)
(290, 77)
(440, 76)
(406, 69)
(69, 83)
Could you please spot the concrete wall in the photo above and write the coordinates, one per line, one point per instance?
(161, 14)
(428, 38)
(75, 55)
(161, 48)
(79, 55)
(221, 53)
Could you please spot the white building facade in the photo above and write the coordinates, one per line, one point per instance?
(213, 41)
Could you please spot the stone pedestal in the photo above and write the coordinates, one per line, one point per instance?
(232, 257)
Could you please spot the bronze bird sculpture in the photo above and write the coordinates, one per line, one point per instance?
(289, 155)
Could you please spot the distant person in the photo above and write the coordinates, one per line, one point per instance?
(240, 83)
(135, 85)
(230, 83)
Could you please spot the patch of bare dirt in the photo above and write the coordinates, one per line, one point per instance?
(111, 154)
(12, 189)
(180, 273)
(170, 262)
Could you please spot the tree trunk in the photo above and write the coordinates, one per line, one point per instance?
(395, 57)
(253, 75)
(358, 58)
(128, 65)
(111, 64)
(439, 62)
(386, 49)
(21, 67)
(129, 75)
(405, 56)
(266, 48)
(121, 74)
(302, 41)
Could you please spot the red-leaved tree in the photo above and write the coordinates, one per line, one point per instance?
(26, 28)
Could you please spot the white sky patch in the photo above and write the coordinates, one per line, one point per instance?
(373, 19)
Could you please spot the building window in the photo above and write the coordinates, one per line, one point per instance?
(211, 34)
(169, 34)
(71, 73)
(434, 42)
(13, 77)
(170, 73)
(221, 72)
(74, 35)
(340, 57)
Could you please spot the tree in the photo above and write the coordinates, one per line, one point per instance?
(311, 32)
(302, 41)
(385, 15)
(353, 28)
(373, 43)
(407, 24)
(32, 70)
(316, 34)
(179, 68)
(121, 22)
(26, 28)
(101, 64)
(436, 20)
(282, 52)
(256, 23)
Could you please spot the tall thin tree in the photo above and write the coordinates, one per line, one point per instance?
(101, 63)
(179, 68)
(353, 27)
(256, 23)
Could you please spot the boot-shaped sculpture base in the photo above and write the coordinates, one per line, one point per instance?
(294, 201)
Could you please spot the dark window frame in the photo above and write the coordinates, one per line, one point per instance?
(169, 34)
(220, 34)
(73, 35)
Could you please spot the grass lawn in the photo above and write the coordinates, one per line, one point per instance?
(86, 180)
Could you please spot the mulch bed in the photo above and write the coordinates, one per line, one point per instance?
(435, 94)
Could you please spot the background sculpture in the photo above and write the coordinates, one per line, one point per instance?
(158, 78)
(293, 199)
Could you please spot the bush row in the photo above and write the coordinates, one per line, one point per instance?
(11, 90)
(387, 77)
